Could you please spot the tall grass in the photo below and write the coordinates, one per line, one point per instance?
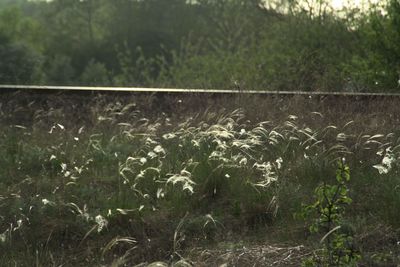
(109, 182)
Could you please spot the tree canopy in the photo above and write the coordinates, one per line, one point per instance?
(258, 45)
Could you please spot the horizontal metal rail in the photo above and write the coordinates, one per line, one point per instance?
(48, 89)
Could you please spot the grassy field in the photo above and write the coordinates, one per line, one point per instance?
(88, 180)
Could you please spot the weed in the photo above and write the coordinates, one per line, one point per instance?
(329, 207)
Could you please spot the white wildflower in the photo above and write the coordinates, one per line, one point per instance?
(227, 176)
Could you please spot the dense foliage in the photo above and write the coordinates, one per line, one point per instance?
(277, 45)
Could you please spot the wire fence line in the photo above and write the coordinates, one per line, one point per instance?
(94, 89)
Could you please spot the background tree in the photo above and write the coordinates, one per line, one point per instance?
(253, 44)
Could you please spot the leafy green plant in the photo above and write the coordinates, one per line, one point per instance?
(327, 213)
